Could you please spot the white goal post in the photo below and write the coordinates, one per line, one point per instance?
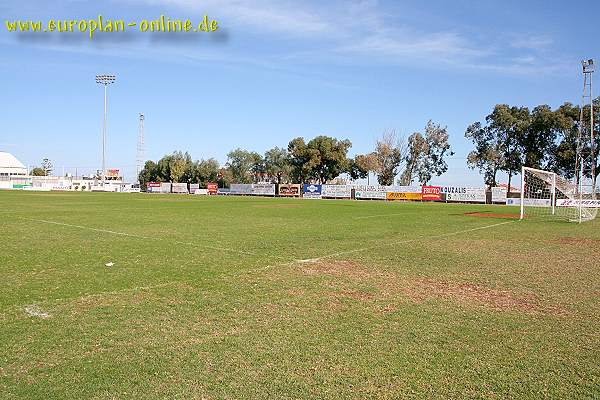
(546, 194)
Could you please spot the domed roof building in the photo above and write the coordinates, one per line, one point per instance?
(10, 166)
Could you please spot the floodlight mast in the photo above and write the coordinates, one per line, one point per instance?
(104, 80)
(588, 68)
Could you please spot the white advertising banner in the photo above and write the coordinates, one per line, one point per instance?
(336, 191)
(165, 187)
(453, 189)
(264, 189)
(241, 188)
(498, 195)
(403, 189)
(528, 202)
(179, 188)
(370, 192)
(585, 203)
(470, 195)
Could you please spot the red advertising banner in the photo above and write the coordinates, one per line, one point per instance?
(112, 173)
(212, 188)
(431, 193)
(153, 187)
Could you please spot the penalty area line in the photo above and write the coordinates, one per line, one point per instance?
(405, 241)
(441, 235)
(133, 235)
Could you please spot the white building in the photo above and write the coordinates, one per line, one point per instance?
(10, 166)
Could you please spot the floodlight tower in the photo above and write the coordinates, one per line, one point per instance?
(104, 80)
(140, 148)
(585, 164)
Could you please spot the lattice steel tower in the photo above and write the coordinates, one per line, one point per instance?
(585, 163)
(140, 149)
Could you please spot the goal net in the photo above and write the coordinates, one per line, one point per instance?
(546, 194)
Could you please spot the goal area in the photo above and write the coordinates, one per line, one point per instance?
(545, 194)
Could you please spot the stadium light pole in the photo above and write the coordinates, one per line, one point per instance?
(104, 80)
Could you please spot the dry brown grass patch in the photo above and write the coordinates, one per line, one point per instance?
(576, 241)
(468, 293)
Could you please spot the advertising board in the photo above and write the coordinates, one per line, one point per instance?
(336, 191)
(241, 188)
(585, 203)
(403, 196)
(289, 189)
(165, 187)
(431, 193)
(528, 202)
(370, 192)
(153, 187)
(498, 195)
(404, 189)
(467, 195)
(180, 188)
(112, 173)
(263, 189)
(311, 191)
(212, 188)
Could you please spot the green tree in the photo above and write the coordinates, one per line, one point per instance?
(321, 159)
(425, 156)
(300, 160)
(389, 154)
(416, 151)
(243, 165)
(361, 165)
(487, 155)
(179, 163)
(224, 178)
(278, 167)
(37, 171)
(205, 171)
(538, 142)
(500, 144)
(510, 124)
(148, 174)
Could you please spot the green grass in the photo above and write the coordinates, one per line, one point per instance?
(207, 299)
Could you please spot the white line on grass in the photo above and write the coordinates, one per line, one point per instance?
(342, 253)
(89, 228)
(378, 216)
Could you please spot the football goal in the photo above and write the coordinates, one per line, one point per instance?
(546, 194)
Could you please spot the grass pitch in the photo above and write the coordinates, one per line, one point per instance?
(229, 297)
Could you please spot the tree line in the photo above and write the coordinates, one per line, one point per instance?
(394, 159)
(543, 138)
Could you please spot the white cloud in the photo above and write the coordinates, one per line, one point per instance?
(346, 31)
(263, 15)
(531, 42)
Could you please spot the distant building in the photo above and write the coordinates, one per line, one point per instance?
(10, 166)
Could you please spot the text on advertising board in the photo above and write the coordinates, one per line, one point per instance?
(431, 193)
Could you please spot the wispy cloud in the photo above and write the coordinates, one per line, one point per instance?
(352, 31)
(264, 15)
(531, 42)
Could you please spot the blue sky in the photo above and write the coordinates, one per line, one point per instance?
(281, 69)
